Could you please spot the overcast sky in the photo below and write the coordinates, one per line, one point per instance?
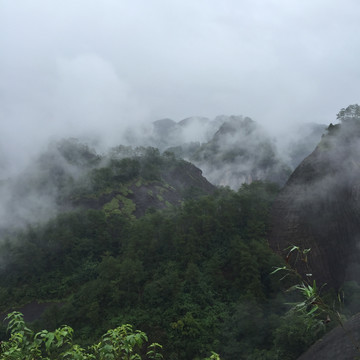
(73, 66)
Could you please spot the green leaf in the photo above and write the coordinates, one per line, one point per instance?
(278, 269)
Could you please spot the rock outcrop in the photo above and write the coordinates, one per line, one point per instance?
(319, 208)
(342, 343)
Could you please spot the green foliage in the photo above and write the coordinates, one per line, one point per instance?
(111, 206)
(120, 343)
(117, 171)
(295, 333)
(112, 184)
(312, 312)
(196, 278)
(120, 205)
(312, 304)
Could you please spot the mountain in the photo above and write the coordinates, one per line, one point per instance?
(240, 152)
(69, 174)
(319, 208)
(232, 150)
(138, 235)
(148, 181)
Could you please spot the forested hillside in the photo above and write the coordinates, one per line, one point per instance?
(170, 186)
(196, 277)
(138, 236)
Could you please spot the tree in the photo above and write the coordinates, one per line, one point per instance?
(352, 112)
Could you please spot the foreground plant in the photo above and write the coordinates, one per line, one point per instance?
(121, 343)
(312, 306)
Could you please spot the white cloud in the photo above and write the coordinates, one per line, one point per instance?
(87, 65)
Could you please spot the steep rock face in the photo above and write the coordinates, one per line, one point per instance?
(338, 344)
(176, 184)
(171, 181)
(319, 208)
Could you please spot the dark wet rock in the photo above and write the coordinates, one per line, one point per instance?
(175, 183)
(319, 208)
(338, 344)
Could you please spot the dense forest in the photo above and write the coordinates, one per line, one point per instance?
(195, 278)
(141, 238)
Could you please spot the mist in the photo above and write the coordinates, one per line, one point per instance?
(104, 72)
(83, 68)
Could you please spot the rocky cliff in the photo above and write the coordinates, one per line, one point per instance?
(319, 208)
